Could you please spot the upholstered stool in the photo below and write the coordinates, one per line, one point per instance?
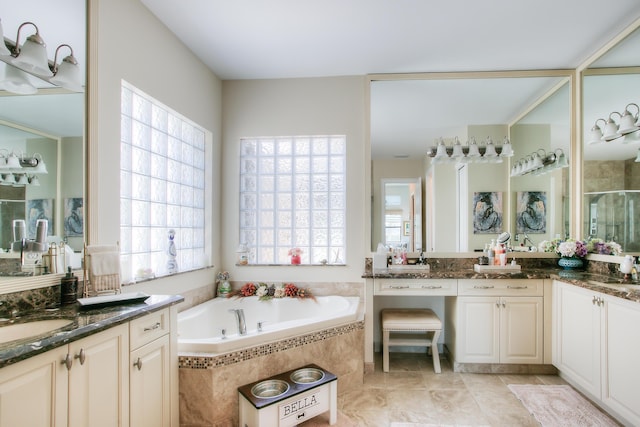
(411, 321)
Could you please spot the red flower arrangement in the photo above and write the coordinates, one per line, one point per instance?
(266, 292)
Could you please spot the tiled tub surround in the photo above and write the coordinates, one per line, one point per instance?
(208, 383)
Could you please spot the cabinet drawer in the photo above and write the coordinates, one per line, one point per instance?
(438, 287)
(148, 328)
(501, 287)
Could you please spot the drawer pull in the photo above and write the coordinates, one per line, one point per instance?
(68, 361)
(516, 287)
(138, 364)
(82, 356)
(153, 327)
(398, 287)
(483, 286)
(432, 287)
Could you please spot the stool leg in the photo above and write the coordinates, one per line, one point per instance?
(434, 351)
(385, 351)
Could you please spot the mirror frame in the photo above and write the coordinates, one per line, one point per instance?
(581, 71)
(20, 284)
(575, 155)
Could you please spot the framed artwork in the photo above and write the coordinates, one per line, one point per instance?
(73, 216)
(531, 212)
(39, 209)
(487, 212)
(406, 228)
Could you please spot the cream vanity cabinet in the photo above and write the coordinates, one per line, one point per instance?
(149, 375)
(596, 345)
(34, 392)
(80, 384)
(118, 377)
(415, 287)
(497, 321)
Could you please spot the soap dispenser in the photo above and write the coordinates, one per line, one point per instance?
(68, 288)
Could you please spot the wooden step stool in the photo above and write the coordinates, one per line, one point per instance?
(395, 321)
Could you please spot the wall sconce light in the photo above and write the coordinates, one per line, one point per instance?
(628, 124)
(540, 163)
(32, 58)
(472, 152)
(18, 170)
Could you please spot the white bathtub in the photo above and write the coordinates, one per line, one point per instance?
(200, 327)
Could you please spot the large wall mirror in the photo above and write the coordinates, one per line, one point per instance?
(46, 122)
(410, 113)
(611, 164)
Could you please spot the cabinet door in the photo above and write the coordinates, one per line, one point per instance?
(478, 330)
(98, 380)
(34, 392)
(578, 342)
(521, 330)
(150, 384)
(622, 347)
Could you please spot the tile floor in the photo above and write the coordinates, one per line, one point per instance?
(412, 392)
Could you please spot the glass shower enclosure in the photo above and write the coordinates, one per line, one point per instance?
(613, 215)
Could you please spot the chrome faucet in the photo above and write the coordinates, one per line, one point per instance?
(526, 237)
(242, 326)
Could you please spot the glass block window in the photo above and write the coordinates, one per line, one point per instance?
(293, 195)
(163, 182)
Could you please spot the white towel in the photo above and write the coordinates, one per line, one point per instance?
(105, 260)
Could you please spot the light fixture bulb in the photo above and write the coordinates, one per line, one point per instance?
(67, 73)
(17, 81)
(32, 56)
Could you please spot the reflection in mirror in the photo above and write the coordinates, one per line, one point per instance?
(611, 169)
(402, 214)
(409, 113)
(543, 197)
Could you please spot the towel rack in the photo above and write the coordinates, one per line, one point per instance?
(108, 281)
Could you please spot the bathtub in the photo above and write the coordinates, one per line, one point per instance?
(200, 327)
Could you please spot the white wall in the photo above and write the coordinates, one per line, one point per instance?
(296, 107)
(128, 42)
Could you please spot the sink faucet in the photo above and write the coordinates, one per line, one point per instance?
(526, 237)
(242, 326)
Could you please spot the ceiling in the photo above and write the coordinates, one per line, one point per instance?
(248, 39)
(245, 39)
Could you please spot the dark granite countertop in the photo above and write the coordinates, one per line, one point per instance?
(84, 322)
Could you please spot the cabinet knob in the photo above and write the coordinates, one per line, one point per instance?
(138, 364)
(81, 356)
(68, 361)
(594, 301)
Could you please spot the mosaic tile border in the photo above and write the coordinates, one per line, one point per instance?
(203, 361)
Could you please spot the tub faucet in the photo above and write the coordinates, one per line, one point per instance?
(242, 326)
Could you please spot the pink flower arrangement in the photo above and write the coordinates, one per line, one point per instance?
(295, 252)
(266, 292)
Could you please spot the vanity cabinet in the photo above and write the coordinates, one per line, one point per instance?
(98, 394)
(497, 321)
(34, 392)
(596, 346)
(120, 377)
(150, 373)
(80, 384)
(415, 287)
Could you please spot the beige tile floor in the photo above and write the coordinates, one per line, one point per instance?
(412, 392)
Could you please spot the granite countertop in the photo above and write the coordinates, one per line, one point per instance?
(614, 285)
(84, 322)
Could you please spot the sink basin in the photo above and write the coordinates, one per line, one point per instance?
(19, 331)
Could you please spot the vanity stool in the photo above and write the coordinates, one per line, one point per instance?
(402, 326)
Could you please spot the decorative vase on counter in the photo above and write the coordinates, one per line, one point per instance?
(295, 259)
(571, 263)
(224, 288)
